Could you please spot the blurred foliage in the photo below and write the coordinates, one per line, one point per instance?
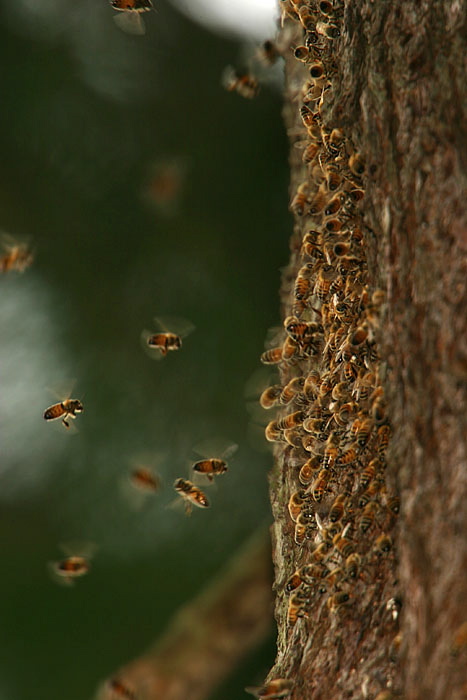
(88, 114)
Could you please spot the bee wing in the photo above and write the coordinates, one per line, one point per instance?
(260, 380)
(174, 324)
(130, 22)
(274, 337)
(79, 548)
(62, 390)
(215, 447)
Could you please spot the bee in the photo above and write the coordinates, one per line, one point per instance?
(368, 516)
(293, 437)
(310, 152)
(120, 690)
(320, 553)
(325, 276)
(191, 494)
(307, 20)
(373, 488)
(300, 201)
(369, 473)
(145, 479)
(363, 432)
(130, 20)
(312, 572)
(378, 410)
(357, 164)
(320, 199)
(337, 601)
(318, 488)
(291, 390)
(292, 420)
(272, 356)
(289, 349)
(66, 409)
(331, 451)
(333, 206)
(72, 567)
(273, 433)
(310, 122)
(270, 396)
(293, 582)
(311, 385)
(245, 84)
(300, 534)
(349, 456)
(213, 466)
(393, 504)
(17, 256)
(383, 543)
(352, 565)
(279, 688)
(294, 610)
(311, 245)
(302, 282)
(308, 470)
(268, 53)
(382, 434)
(301, 332)
(296, 501)
(164, 340)
(359, 336)
(337, 508)
(344, 546)
(332, 177)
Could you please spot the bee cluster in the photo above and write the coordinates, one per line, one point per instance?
(333, 431)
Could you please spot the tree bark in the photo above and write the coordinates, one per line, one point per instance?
(395, 86)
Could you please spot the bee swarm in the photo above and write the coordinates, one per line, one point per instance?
(333, 549)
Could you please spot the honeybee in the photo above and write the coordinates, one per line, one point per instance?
(337, 508)
(363, 431)
(270, 396)
(273, 433)
(302, 282)
(344, 546)
(66, 409)
(245, 84)
(383, 543)
(300, 533)
(191, 493)
(213, 466)
(279, 688)
(333, 206)
(319, 486)
(268, 52)
(383, 433)
(293, 582)
(312, 572)
(272, 356)
(308, 470)
(352, 565)
(130, 20)
(312, 383)
(337, 601)
(145, 479)
(393, 504)
(310, 152)
(369, 473)
(164, 340)
(320, 553)
(300, 201)
(17, 256)
(307, 20)
(368, 516)
(294, 610)
(74, 565)
(349, 456)
(295, 505)
(311, 245)
(373, 488)
(120, 690)
(357, 164)
(325, 277)
(292, 420)
(331, 451)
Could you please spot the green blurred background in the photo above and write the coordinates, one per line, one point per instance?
(87, 116)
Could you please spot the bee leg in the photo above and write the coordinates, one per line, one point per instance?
(65, 422)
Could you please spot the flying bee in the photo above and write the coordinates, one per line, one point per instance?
(270, 396)
(268, 52)
(337, 601)
(145, 480)
(243, 83)
(130, 20)
(278, 688)
(337, 508)
(164, 340)
(73, 566)
(191, 494)
(213, 466)
(16, 256)
(66, 409)
(120, 690)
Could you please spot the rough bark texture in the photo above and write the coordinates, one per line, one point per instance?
(395, 85)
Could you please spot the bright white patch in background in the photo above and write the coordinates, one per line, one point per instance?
(245, 19)
(30, 360)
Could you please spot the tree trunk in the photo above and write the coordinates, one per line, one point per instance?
(392, 100)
